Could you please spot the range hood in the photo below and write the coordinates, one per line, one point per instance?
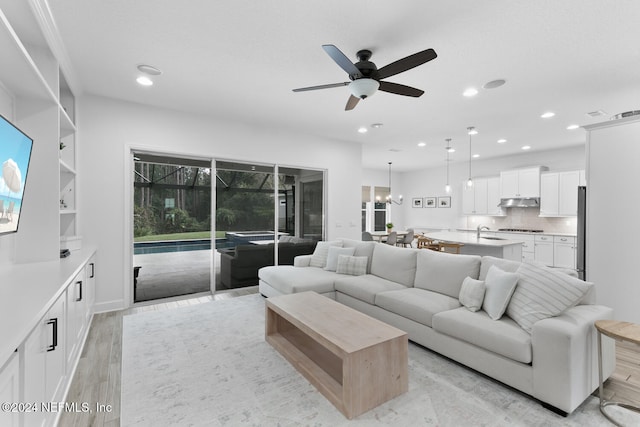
(526, 202)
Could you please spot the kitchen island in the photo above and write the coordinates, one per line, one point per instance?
(485, 245)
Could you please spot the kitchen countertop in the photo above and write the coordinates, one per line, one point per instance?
(548, 233)
(470, 239)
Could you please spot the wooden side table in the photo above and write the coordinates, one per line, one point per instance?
(621, 331)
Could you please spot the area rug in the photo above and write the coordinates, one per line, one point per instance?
(209, 365)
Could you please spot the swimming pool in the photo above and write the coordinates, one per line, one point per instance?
(140, 248)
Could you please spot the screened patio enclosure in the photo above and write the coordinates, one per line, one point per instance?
(174, 221)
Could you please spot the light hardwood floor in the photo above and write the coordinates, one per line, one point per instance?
(97, 378)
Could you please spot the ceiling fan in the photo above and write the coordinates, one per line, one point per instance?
(366, 78)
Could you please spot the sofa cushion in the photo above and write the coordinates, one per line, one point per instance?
(499, 288)
(361, 249)
(332, 256)
(394, 263)
(543, 292)
(416, 304)
(352, 265)
(288, 279)
(444, 273)
(472, 294)
(507, 265)
(321, 252)
(364, 287)
(503, 337)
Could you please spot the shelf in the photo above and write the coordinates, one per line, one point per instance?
(67, 127)
(66, 168)
(68, 211)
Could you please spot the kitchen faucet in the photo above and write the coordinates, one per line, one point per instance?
(480, 228)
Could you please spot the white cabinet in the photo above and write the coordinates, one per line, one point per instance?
(527, 240)
(564, 251)
(543, 250)
(10, 390)
(482, 198)
(45, 363)
(559, 193)
(520, 183)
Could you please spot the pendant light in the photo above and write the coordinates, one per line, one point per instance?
(389, 197)
(471, 131)
(447, 187)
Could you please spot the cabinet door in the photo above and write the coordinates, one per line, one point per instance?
(549, 194)
(34, 351)
(55, 360)
(90, 289)
(480, 189)
(508, 184)
(568, 193)
(76, 316)
(493, 196)
(468, 199)
(564, 251)
(10, 390)
(544, 249)
(529, 182)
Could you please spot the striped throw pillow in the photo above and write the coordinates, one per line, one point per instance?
(542, 293)
(353, 265)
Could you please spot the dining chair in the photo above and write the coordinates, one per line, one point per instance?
(392, 239)
(407, 240)
(450, 247)
(366, 236)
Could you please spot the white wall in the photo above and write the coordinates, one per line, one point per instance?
(109, 128)
(431, 182)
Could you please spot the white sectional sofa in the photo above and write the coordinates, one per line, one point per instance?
(418, 291)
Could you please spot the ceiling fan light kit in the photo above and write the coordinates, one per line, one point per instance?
(366, 78)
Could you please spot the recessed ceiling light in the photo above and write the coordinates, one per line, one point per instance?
(376, 125)
(502, 141)
(548, 114)
(149, 69)
(572, 127)
(494, 84)
(144, 81)
(362, 129)
(470, 92)
(475, 156)
(526, 147)
(421, 144)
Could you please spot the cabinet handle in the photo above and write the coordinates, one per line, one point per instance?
(79, 283)
(93, 270)
(53, 322)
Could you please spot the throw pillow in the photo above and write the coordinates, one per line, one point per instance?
(320, 254)
(543, 292)
(353, 265)
(472, 293)
(332, 257)
(499, 288)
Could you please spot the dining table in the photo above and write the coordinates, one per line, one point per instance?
(379, 235)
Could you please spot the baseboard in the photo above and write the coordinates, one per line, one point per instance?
(104, 307)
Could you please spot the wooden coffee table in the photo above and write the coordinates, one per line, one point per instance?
(355, 361)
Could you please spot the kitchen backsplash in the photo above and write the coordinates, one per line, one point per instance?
(526, 218)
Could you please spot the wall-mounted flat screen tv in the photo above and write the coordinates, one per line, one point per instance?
(15, 153)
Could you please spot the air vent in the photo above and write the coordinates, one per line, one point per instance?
(597, 113)
(625, 114)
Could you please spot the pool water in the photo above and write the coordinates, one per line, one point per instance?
(140, 248)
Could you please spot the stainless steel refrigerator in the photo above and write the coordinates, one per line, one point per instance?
(581, 242)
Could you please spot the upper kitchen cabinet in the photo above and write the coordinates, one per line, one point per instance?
(520, 183)
(559, 193)
(482, 198)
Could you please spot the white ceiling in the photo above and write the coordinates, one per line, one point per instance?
(239, 59)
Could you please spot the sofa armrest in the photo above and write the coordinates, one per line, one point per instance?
(302, 261)
(565, 356)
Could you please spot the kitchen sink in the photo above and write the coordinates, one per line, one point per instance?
(492, 238)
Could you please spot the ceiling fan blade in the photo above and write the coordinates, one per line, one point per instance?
(303, 89)
(342, 60)
(406, 63)
(351, 103)
(399, 89)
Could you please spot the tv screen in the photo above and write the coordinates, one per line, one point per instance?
(15, 153)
